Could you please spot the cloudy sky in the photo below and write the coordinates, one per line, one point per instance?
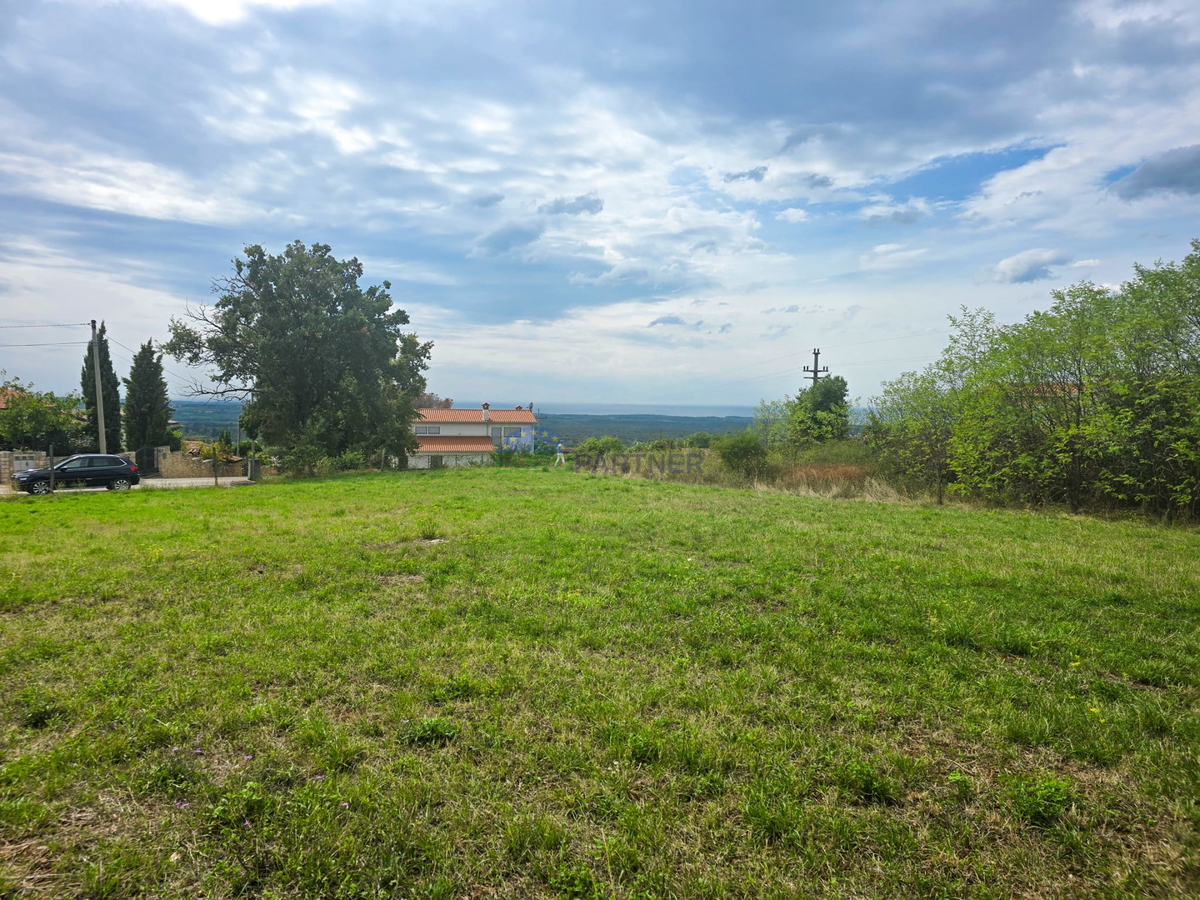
(660, 202)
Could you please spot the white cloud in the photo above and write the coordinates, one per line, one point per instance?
(889, 256)
(224, 12)
(885, 210)
(792, 215)
(76, 177)
(1029, 265)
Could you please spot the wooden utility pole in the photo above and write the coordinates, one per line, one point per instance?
(817, 371)
(99, 388)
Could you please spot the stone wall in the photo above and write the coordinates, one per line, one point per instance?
(20, 460)
(181, 465)
(449, 460)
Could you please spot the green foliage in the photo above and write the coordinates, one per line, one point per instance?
(742, 453)
(36, 420)
(700, 440)
(634, 428)
(1093, 402)
(819, 413)
(349, 461)
(326, 365)
(147, 406)
(771, 421)
(601, 445)
(911, 425)
(110, 391)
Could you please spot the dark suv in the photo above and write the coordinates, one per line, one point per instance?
(85, 470)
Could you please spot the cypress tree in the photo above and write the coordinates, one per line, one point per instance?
(111, 393)
(147, 407)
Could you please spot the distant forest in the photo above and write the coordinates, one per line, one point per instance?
(576, 428)
(206, 418)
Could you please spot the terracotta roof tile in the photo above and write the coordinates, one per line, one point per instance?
(495, 416)
(436, 444)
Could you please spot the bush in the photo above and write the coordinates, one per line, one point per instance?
(742, 453)
(349, 461)
(601, 445)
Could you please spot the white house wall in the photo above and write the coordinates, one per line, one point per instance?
(458, 429)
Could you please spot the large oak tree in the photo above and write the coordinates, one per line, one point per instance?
(324, 365)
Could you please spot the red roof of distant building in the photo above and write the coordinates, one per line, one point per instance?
(4, 395)
(436, 444)
(498, 416)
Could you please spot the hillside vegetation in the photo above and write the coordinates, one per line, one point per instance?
(532, 683)
(640, 427)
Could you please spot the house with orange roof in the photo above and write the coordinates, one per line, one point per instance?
(465, 437)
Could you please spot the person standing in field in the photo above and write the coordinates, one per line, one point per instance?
(561, 458)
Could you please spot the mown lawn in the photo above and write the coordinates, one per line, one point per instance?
(547, 684)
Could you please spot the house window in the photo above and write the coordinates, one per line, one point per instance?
(497, 434)
(429, 429)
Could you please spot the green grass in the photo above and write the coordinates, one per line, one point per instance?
(548, 684)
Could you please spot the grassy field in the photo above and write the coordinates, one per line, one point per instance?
(549, 684)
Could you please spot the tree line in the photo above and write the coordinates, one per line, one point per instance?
(1094, 402)
(69, 423)
(324, 367)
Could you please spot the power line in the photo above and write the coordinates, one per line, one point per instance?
(175, 382)
(879, 362)
(792, 371)
(54, 325)
(902, 337)
(183, 379)
(46, 344)
(713, 377)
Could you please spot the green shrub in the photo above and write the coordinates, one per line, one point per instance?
(601, 445)
(350, 461)
(742, 453)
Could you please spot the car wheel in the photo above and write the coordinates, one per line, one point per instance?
(119, 484)
(39, 487)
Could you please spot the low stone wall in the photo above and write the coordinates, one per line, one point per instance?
(181, 465)
(20, 460)
(448, 460)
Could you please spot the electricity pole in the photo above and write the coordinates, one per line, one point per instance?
(817, 371)
(99, 388)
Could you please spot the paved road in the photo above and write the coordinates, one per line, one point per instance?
(160, 484)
